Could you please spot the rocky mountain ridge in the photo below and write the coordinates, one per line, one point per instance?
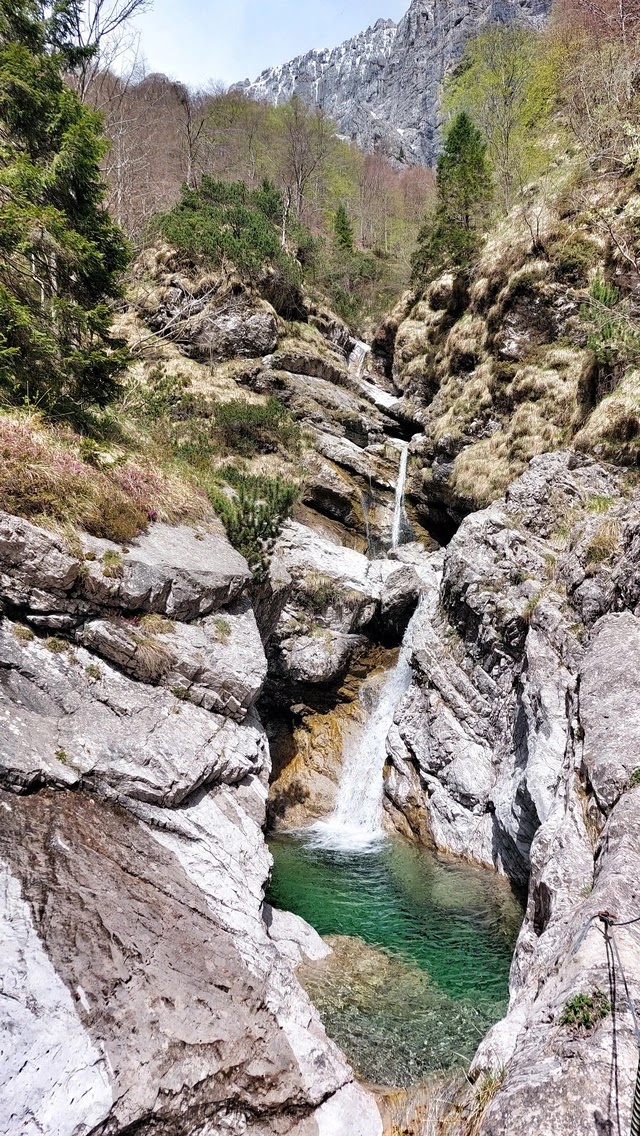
(382, 87)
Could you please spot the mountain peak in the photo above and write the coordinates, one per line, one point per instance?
(382, 86)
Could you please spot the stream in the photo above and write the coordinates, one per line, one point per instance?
(421, 945)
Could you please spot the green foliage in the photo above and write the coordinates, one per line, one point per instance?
(226, 223)
(451, 237)
(584, 1011)
(614, 335)
(248, 428)
(166, 394)
(506, 84)
(353, 281)
(634, 780)
(573, 256)
(343, 229)
(253, 513)
(112, 566)
(60, 253)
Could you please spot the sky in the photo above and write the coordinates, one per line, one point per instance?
(198, 41)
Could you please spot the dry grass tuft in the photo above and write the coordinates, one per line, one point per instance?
(44, 478)
(604, 544)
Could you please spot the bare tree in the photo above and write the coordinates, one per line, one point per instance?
(101, 28)
(307, 140)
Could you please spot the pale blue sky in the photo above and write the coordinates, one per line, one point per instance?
(229, 40)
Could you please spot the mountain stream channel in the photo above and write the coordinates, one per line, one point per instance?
(421, 944)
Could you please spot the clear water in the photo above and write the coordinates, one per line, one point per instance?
(421, 963)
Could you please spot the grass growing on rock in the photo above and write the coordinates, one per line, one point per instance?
(44, 478)
(603, 544)
(584, 1011)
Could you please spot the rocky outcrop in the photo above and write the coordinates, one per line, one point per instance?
(141, 987)
(516, 746)
(383, 86)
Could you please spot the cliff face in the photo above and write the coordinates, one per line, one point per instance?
(382, 87)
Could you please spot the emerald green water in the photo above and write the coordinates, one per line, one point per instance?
(424, 970)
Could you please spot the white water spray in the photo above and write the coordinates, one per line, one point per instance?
(356, 821)
(357, 359)
(398, 511)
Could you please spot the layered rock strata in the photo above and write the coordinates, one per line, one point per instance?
(383, 86)
(141, 989)
(517, 746)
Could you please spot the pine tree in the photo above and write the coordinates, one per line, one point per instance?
(451, 236)
(343, 229)
(60, 253)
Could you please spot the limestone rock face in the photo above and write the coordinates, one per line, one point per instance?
(383, 86)
(217, 662)
(170, 570)
(516, 745)
(141, 988)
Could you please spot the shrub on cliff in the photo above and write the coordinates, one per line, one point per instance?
(249, 428)
(61, 254)
(253, 512)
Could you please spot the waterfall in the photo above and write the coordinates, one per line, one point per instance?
(357, 359)
(398, 512)
(356, 821)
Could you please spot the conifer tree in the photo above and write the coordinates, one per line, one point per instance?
(451, 236)
(60, 252)
(343, 229)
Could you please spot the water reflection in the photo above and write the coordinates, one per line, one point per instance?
(422, 951)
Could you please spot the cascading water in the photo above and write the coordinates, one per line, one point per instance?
(357, 359)
(398, 512)
(356, 821)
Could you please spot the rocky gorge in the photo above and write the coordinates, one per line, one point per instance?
(450, 617)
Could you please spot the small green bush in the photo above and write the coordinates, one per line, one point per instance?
(248, 428)
(584, 1011)
(228, 222)
(253, 513)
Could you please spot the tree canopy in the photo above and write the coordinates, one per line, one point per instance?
(450, 237)
(60, 253)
